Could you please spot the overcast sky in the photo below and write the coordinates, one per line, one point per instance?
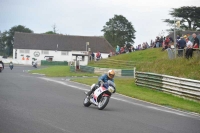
(87, 17)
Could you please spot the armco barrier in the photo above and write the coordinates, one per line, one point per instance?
(105, 70)
(44, 62)
(72, 68)
(178, 86)
(127, 72)
(118, 72)
(87, 69)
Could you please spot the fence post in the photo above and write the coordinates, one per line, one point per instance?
(134, 69)
(75, 66)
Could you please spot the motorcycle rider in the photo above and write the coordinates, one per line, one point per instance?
(34, 63)
(104, 78)
(11, 65)
(1, 62)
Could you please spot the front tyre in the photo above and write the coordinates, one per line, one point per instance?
(103, 102)
(86, 102)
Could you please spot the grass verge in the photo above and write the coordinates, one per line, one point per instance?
(126, 86)
(155, 61)
(61, 71)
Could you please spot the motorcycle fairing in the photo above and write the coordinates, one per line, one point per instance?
(98, 92)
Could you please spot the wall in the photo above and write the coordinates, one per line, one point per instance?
(56, 56)
(118, 72)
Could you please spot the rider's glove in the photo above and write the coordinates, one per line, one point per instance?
(100, 83)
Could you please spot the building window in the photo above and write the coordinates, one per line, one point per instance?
(24, 51)
(45, 52)
(21, 51)
(64, 53)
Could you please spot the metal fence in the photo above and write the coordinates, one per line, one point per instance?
(89, 69)
(44, 62)
(178, 86)
(173, 53)
(120, 64)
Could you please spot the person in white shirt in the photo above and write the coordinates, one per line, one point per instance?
(189, 44)
(189, 49)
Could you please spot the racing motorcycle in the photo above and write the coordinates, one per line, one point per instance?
(1, 67)
(101, 96)
(11, 66)
(34, 64)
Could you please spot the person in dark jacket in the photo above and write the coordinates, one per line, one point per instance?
(181, 46)
(104, 78)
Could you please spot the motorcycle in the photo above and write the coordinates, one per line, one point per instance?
(101, 96)
(34, 63)
(11, 66)
(1, 67)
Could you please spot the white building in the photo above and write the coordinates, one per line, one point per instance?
(55, 47)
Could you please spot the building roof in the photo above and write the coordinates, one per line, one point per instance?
(60, 42)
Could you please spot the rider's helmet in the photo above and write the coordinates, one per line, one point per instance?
(111, 74)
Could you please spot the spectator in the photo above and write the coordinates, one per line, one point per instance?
(177, 38)
(196, 41)
(166, 43)
(110, 54)
(98, 55)
(181, 46)
(157, 42)
(171, 39)
(92, 56)
(122, 50)
(125, 49)
(130, 50)
(195, 44)
(117, 50)
(189, 49)
(160, 41)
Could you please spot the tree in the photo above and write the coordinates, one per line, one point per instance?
(49, 32)
(8, 37)
(119, 31)
(52, 32)
(188, 17)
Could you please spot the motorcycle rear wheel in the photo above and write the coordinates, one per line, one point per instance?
(103, 102)
(86, 102)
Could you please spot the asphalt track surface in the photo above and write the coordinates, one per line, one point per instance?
(32, 103)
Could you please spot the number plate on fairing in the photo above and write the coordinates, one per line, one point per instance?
(98, 91)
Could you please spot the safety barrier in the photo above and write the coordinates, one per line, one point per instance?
(44, 62)
(178, 86)
(72, 68)
(118, 72)
(87, 69)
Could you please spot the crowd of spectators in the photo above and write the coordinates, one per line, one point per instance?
(183, 43)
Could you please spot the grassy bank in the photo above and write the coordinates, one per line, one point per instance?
(156, 61)
(127, 87)
(60, 71)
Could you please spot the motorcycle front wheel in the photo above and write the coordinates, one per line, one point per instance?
(86, 102)
(103, 102)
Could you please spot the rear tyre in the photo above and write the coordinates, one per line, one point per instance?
(86, 102)
(103, 102)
